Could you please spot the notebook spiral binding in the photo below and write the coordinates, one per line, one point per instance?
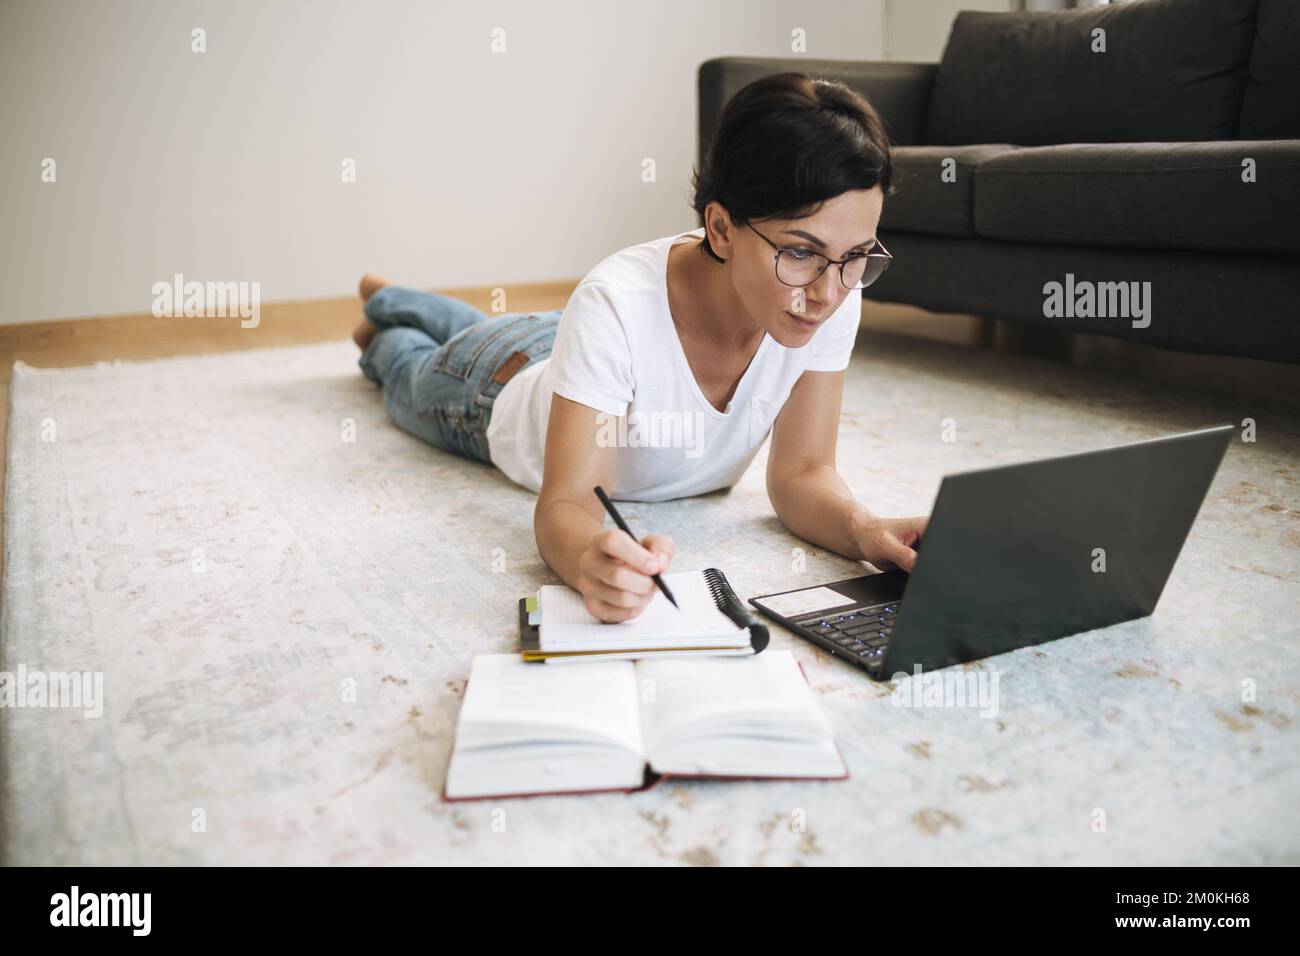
(729, 604)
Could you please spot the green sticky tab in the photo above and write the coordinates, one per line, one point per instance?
(530, 604)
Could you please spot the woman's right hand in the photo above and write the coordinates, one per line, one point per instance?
(614, 573)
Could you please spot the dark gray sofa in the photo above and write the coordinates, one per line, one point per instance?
(1119, 166)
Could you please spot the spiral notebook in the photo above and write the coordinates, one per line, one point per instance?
(709, 620)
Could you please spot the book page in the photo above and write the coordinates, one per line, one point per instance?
(767, 691)
(511, 701)
(568, 625)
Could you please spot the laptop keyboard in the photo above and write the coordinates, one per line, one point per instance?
(861, 632)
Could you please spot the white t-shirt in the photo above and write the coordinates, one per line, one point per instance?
(617, 351)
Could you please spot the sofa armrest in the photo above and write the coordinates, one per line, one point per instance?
(900, 92)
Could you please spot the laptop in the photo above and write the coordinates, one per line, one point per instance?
(1019, 555)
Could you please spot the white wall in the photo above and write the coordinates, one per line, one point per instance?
(474, 167)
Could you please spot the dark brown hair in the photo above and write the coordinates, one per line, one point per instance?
(785, 144)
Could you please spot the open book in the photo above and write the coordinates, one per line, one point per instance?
(709, 619)
(625, 725)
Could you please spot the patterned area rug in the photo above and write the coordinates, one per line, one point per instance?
(283, 593)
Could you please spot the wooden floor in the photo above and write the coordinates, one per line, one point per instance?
(75, 342)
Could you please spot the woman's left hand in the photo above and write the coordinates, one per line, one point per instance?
(890, 542)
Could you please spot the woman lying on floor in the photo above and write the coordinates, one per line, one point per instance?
(705, 341)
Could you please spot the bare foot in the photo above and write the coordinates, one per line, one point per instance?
(364, 334)
(370, 284)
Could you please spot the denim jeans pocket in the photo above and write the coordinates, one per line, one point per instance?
(529, 341)
(459, 354)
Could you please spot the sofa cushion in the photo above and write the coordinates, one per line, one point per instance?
(1155, 195)
(924, 200)
(1211, 302)
(1173, 70)
(1271, 107)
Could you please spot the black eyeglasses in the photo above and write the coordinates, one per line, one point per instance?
(801, 267)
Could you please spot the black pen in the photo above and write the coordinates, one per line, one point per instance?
(618, 520)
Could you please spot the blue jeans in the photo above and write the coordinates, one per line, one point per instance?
(442, 363)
